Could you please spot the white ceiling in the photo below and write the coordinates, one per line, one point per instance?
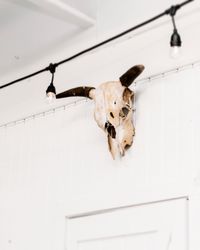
(30, 30)
(35, 32)
(34, 29)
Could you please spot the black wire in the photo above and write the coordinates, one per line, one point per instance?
(174, 24)
(52, 78)
(53, 66)
(186, 2)
(23, 78)
(111, 39)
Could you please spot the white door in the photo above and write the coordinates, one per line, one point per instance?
(156, 226)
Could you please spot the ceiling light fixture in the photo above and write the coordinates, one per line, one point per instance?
(51, 90)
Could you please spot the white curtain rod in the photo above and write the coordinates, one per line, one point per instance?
(83, 100)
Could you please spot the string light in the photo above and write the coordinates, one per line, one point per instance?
(175, 45)
(175, 41)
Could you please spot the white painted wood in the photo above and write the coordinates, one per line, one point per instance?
(59, 164)
(61, 10)
(158, 226)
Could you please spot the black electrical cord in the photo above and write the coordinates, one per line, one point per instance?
(171, 11)
(173, 22)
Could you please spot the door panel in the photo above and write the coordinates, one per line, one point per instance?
(157, 226)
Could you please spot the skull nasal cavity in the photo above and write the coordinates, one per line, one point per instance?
(110, 129)
(111, 114)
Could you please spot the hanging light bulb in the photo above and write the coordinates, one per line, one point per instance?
(175, 42)
(51, 93)
(51, 90)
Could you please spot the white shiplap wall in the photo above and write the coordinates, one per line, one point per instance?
(59, 164)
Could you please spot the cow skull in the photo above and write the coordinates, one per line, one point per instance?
(113, 109)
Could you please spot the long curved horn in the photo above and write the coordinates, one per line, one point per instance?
(79, 91)
(127, 78)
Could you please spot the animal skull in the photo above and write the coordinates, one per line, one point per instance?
(113, 109)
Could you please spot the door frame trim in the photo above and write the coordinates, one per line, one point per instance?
(113, 209)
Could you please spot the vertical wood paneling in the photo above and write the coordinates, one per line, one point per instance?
(60, 164)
